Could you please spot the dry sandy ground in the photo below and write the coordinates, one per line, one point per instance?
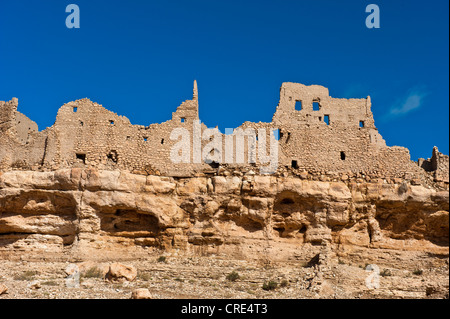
(198, 277)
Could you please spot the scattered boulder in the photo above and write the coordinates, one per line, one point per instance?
(121, 272)
(35, 284)
(436, 291)
(3, 289)
(141, 293)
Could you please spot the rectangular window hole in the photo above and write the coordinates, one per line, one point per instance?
(111, 122)
(214, 164)
(342, 156)
(75, 109)
(294, 164)
(81, 157)
(113, 156)
(326, 119)
(316, 106)
(183, 119)
(277, 134)
(361, 123)
(298, 105)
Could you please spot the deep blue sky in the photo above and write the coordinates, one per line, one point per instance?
(139, 59)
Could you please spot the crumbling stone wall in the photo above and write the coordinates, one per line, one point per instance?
(87, 134)
(21, 145)
(437, 165)
(7, 114)
(317, 135)
(24, 127)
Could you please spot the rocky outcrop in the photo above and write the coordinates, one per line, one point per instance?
(93, 212)
(141, 293)
(120, 272)
(3, 289)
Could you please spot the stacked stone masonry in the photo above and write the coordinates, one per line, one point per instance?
(319, 138)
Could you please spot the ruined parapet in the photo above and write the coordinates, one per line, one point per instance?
(437, 165)
(8, 110)
(321, 136)
(19, 137)
(312, 105)
(24, 127)
(86, 134)
(14, 123)
(97, 135)
(187, 112)
(326, 134)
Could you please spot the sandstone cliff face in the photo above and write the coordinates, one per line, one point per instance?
(91, 212)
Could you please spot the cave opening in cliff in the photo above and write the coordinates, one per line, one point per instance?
(302, 229)
(280, 230)
(287, 201)
(137, 224)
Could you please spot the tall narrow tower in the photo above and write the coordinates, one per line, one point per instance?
(368, 104)
(195, 97)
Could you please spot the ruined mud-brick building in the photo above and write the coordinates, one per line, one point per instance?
(319, 137)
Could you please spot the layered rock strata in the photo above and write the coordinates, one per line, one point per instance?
(95, 213)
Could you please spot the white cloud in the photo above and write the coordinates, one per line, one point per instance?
(412, 101)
